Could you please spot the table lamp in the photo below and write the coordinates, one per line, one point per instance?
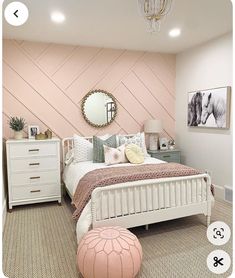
(153, 127)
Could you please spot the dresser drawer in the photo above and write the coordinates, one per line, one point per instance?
(34, 178)
(34, 164)
(35, 191)
(169, 157)
(33, 149)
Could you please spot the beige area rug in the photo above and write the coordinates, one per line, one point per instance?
(39, 241)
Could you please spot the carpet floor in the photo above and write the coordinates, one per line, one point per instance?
(39, 241)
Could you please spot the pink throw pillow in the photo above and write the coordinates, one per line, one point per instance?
(114, 155)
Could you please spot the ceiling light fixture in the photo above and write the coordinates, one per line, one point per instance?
(57, 17)
(174, 32)
(153, 11)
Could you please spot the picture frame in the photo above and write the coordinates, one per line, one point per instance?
(163, 144)
(209, 108)
(33, 130)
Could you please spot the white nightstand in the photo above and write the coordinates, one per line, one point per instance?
(33, 168)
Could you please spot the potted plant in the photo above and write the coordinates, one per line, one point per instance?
(17, 124)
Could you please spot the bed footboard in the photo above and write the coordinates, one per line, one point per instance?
(150, 201)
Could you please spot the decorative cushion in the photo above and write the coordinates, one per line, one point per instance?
(109, 252)
(134, 154)
(98, 149)
(137, 139)
(114, 156)
(83, 149)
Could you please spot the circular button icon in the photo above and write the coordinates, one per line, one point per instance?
(16, 13)
(218, 233)
(218, 261)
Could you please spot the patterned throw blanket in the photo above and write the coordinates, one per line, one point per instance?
(115, 175)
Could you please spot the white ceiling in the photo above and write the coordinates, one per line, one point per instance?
(117, 24)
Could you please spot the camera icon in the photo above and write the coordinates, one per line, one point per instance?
(218, 233)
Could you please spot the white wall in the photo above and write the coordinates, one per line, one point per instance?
(204, 67)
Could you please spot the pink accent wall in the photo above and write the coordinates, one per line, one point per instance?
(44, 83)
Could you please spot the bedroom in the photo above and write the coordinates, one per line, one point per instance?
(90, 84)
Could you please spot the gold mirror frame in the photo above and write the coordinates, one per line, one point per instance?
(83, 107)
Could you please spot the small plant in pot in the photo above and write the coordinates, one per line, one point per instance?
(17, 124)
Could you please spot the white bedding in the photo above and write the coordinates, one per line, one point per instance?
(72, 175)
(75, 171)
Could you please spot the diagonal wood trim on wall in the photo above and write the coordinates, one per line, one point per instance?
(45, 83)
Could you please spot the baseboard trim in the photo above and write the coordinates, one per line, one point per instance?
(4, 213)
(219, 192)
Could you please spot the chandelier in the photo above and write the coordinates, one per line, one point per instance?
(153, 11)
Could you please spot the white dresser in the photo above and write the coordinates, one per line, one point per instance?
(33, 171)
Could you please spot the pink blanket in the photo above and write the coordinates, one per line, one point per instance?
(115, 175)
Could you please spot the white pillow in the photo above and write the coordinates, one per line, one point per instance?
(115, 155)
(83, 149)
(137, 139)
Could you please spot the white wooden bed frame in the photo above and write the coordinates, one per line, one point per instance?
(149, 214)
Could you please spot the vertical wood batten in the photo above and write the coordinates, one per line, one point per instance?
(197, 190)
(191, 184)
(170, 192)
(175, 187)
(114, 204)
(134, 199)
(146, 197)
(164, 195)
(128, 201)
(122, 208)
(181, 197)
(108, 203)
(101, 206)
(153, 196)
(158, 196)
(186, 192)
(140, 199)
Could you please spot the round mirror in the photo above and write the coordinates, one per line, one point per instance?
(99, 108)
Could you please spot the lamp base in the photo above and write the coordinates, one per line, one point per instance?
(153, 142)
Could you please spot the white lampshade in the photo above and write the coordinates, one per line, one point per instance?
(153, 126)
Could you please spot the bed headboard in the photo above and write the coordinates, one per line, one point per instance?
(68, 144)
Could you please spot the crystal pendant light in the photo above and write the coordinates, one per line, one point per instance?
(153, 11)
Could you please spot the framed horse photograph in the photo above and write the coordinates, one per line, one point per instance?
(209, 108)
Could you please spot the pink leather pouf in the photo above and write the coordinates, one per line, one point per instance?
(109, 252)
